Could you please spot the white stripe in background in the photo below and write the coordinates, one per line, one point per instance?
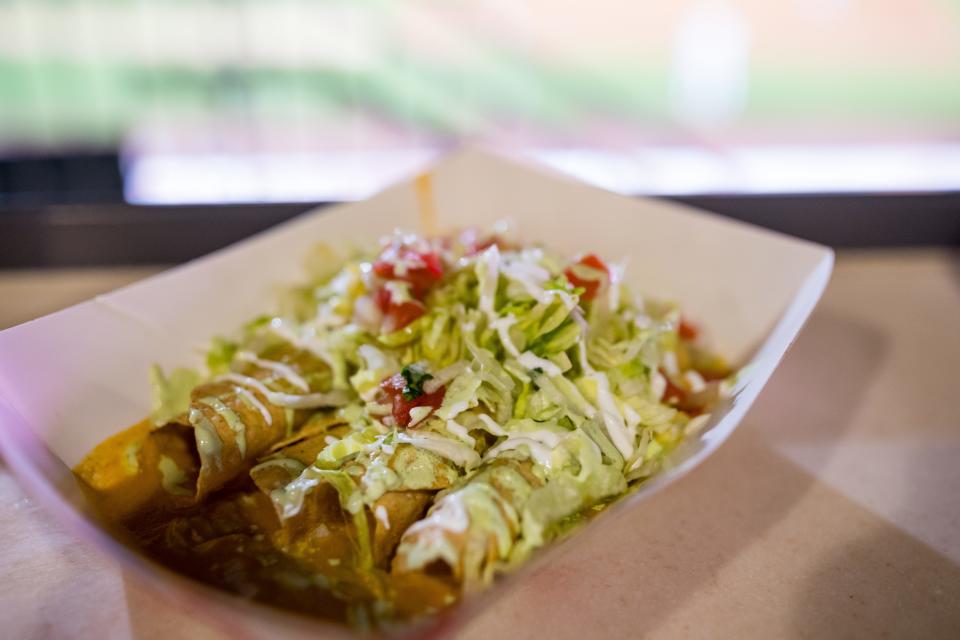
(166, 178)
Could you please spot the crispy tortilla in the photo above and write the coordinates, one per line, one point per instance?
(470, 529)
(319, 528)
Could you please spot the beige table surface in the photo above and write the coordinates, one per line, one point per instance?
(834, 511)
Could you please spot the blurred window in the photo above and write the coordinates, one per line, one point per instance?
(285, 100)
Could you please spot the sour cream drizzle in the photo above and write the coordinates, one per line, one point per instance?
(450, 513)
(458, 453)
(254, 403)
(538, 451)
(532, 361)
(232, 419)
(335, 398)
(280, 369)
(381, 514)
(295, 467)
(315, 345)
(461, 432)
(208, 442)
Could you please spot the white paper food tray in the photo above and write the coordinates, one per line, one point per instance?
(71, 379)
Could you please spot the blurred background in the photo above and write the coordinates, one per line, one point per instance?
(838, 120)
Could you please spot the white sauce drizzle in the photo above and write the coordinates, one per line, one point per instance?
(540, 444)
(381, 514)
(491, 426)
(253, 402)
(208, 442)
(314, 346)
(459, 454)
(461, 432)
(282, 370)
(548, 438)
(295, 467)
(334, 398)
(290, 498)
(449, 513)
(538, 451)
(232, 420)
(531, 361)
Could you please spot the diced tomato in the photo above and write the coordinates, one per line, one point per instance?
(397, 316)
(687, 330)
(592, 285)
(672, 394)
(392, 389)
(692, 404)
(592, 261)
(400, 315)
(423, 269)
(382, 298)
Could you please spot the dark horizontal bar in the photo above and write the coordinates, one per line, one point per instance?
(848, 220)
(112, 234)
(115, 234)
(67, 177)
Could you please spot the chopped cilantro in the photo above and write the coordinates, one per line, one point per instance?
(414, 375)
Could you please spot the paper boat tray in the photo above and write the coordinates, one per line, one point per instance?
(71, 379)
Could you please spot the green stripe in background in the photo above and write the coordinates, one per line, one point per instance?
(55, 100)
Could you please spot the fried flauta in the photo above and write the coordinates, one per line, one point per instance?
(472, 528)
(356, 507)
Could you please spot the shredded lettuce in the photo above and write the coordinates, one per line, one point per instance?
(584, 481)
(554, 389)
(333, 455)
(461, 395)
(377, 366)
(171, 393)
(220, 355)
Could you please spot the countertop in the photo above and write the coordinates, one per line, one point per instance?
(833, 511)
